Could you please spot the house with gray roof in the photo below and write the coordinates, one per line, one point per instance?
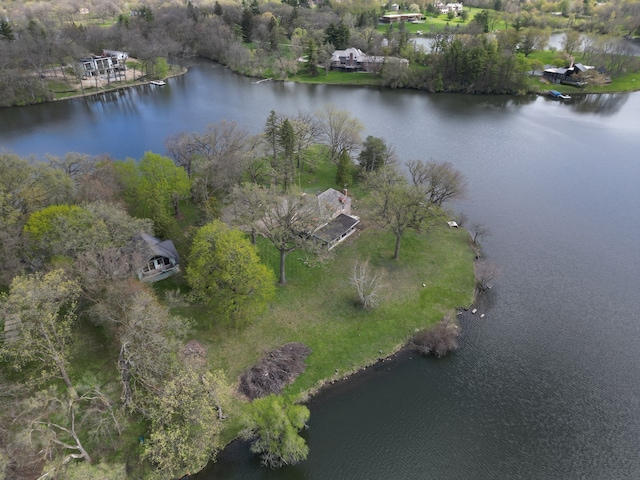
(355, 60)
(162, 258)
(335, 213)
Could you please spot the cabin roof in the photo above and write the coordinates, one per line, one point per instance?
(161, 248)
(336, 228)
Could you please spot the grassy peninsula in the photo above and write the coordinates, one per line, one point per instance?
(433, 276)
(144, 380)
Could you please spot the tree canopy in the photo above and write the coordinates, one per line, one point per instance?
(396, 205)
(185, 425)
(285, 220)
(39, 316)
(225, 272)
(272, 424)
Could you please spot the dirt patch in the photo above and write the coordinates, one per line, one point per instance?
(194, 354)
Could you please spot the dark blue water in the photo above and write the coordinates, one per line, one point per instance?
(547, 384)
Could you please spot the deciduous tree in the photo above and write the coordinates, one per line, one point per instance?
(153, 189)
(224, 271)
(285, 220)
(440, 181)
(396, 205)
(341, 131)
(272, 424)
(185, 424)
(39, 315)
(147, 336)
(367, 284)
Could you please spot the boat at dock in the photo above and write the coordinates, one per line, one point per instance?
(159, 83)
(558, 96)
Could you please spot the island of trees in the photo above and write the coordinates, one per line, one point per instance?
(485, 46)
(107, 376)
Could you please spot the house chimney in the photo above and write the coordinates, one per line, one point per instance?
(351, 59)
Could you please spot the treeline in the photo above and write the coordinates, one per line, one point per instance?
(463, 63)
(256, 38)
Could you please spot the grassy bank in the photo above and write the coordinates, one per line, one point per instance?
(318, 306)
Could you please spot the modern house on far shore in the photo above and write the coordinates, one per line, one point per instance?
(401, 17)
(566, 75)
(110, 63)
(355, 60)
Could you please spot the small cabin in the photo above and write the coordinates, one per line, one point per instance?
(163, 259)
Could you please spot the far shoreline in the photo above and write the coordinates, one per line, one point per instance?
(134, 83)
(318, 81)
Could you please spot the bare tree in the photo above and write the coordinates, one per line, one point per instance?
(368, 285)
(611, 53)
(478, 231)
(440, 181)
(285, 220)
(396, 205)
(341, 131)
(485, 273)
(308, 131)
(439, 339)
(182, 148)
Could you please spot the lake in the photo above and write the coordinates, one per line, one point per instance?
(547, 384)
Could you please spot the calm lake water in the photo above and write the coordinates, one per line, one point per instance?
(547, 384)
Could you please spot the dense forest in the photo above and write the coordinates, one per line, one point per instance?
(485, 48)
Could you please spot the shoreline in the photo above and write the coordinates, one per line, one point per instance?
(402, 352)
(136, 82)
(373, 83)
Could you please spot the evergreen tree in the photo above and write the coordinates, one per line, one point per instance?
(274, 33)
(6, 31)
(287, 140)
(247, 25)
(312, 57)
(344, 176)
(337, 35)
(374, 154)
(217, 9)
(271, 129)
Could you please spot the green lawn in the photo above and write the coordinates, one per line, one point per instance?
(336, 78)
(628, 82)
(317, 306)
(437, 24)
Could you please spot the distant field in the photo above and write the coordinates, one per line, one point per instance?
(437, 24)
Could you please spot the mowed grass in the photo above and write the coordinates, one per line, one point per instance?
(317, 306)
(335, 78)
(436, 24)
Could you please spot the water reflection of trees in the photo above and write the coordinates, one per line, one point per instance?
(602, 103)
(458, 103)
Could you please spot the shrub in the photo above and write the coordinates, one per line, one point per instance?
(438, 340)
